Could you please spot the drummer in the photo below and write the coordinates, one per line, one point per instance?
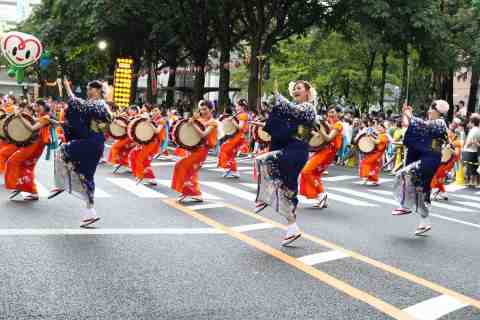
(7, 148)
(438, 181)
(371, 164)
(185, 173)
(20, 167)
(230, 148)
(140, 157)
(311, 185)
(121, 147)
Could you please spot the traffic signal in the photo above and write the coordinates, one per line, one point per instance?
(123, 82)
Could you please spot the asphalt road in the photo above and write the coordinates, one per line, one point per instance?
(150, 258)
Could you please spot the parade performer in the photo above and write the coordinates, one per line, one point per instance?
(120, 149)
(311, 185)
(438, 181)
(371, 164)
(231, 147)
(20, 166)
(185, 173)
(140, 157)
(289, 125)
(77, 160)
(398, 134)
(424, 140)
(7, 148)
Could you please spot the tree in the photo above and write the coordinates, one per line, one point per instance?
(265, 23)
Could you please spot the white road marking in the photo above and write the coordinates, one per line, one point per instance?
(381, 180)
(206, 206)
(468, 204)
(238, 168)
(452, 187)
(393, 202)
(209, 165)
(137, 189)
(42, 190)
(434, 203)
(253, 227)
(322, 257)
(205, 195)
(79, 231)
(231, 190)
(339, 178)
(463, 196)
(99, 193)
(434, 308)
(162, 164)
(332, 196)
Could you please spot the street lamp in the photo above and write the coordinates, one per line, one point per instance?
(102, 45)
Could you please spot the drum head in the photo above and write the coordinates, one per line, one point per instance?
(3, 117)
(263, 136)
(117, 131)
(447, 154)
(229, 127)
(366, 144)
(316, 143)
(144, 131)
(186, 136)
(16, 131)
(141, 130)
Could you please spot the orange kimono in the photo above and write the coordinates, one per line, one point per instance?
(185, 173)
(438, 181)
(59, 130)
(311, 184)
(20, 167)
(120, 150)
(230, 148)
(371, 164)
(140, 158)
(6, 151)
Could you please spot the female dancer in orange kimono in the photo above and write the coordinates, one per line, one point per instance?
(311, 185)
(371, 164)
(6, 148)
(121, 148)
(185, 173)
(438, 181)
(230, 148)
(140, 158)
(20, 167)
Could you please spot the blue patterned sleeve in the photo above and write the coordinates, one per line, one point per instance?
(432, 128)
(303, 112)
(98, 111)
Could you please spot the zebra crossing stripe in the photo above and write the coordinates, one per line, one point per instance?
(42, 190)
(238, 168)
(230, 190)
(434, 204)
(332, 196)
(452, 187)
(137, 189)
(468, 204)
(339, 178)
(381, 180)
(322, 257)
(162, 164)
(205, 195)
(462, 196)
(253, 227)
(435, 308)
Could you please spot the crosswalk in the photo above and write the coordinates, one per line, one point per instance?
(218, 191)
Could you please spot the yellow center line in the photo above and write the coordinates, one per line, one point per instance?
(369, 299)
(380, 265)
